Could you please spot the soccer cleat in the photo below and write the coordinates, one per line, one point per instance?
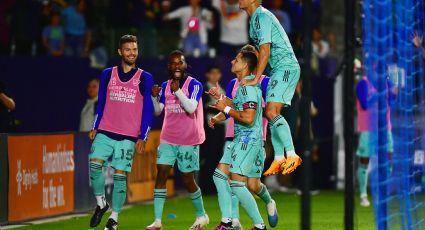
(272, 214)
(275, 167)
(364, 202)
(224, 226)
(255, 228)
(236, 224)
(292, 162)
(156, 225)
(200, 222)
(98, 214)
(111, 225)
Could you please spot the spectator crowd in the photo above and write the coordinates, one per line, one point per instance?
(199, 27)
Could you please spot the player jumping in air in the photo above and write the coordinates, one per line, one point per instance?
(123, 119)
(275, 53)
(182, 133)
(222, 172)
(246, 152)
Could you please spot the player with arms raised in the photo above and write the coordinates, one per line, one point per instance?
(275, 54)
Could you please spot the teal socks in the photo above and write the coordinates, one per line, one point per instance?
(97, 179)
(235, 207)
(264, 194)
(159, 196)
(197, 202)
(281, 136)
(362, 177)
(224, 193)
(247, 201)
(120, 192)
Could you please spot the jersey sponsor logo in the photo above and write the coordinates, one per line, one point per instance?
(122, 94)
(250, 105)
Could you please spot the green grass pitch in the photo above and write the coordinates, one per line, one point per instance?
(327, 214)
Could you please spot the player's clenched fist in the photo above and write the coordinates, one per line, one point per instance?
(92, 134)
(175, 85)
(211, 122)
(155, 90)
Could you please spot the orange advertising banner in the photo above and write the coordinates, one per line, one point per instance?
(41, 176)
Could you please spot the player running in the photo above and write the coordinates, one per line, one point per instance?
(275, 53)
(123, 120)
(254, 184)
(245, 154)
(182, 133)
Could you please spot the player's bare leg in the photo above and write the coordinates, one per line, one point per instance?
(195, 194)
(282, 142)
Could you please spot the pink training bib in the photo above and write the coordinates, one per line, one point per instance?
(180, 127)
(230, 131)
(123, 106)
(367, 120)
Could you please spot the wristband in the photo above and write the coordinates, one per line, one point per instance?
(227, 110)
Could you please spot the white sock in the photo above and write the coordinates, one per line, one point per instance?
(291, 153)
(236, 222)
(114, 216)
(278, 158)
(101, 201)
(226, 220)
(260, 226)
(158, 222)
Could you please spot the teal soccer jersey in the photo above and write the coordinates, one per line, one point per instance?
(249, 97)
(264, 28)
(246, 151)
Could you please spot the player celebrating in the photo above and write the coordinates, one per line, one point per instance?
(123, 120)
(246, 153)
(221, 173)
(182, 133)
(275, 53)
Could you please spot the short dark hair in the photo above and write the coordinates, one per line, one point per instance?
(127, 38)
(250, 58)
(176, 52)
(249, 48)
(212, 67)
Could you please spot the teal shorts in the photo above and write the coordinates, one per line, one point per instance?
(368, 142)
(187, 157)
(282, 85)
(247, 159)
(122, 152)
(227, 153)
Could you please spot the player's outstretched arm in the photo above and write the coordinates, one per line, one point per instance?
(246, 116)
(263, 59)
(219, 117)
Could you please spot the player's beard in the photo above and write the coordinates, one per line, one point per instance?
(129, 61)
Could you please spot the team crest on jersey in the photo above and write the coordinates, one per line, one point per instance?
(136, 82)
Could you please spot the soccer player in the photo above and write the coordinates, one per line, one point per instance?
(182, 133)
(275, 53)
(222, 171)
(367, 110)
(123, 120)
(246, 152)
